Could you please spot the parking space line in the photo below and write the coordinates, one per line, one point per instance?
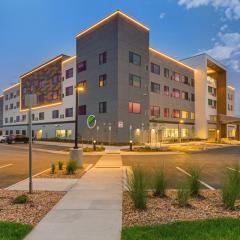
(232, 169)
(203, 183)
(7, 165)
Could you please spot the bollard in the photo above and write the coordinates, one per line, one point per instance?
(94, 145)
(130, 145)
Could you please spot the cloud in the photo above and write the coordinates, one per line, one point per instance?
(230, 7)
(162, 15)
(227, 49)
(223, 27)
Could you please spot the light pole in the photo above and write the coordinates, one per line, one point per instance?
(179, 130)
(78, 89)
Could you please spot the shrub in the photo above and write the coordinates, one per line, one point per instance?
(137, 188)
(53, 168)
(194, 181)
(71, 167)
(231, 188)
(60, 165)
(21, 199)
(183, 194)
(159, 183)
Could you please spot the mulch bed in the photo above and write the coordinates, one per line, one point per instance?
(166, 210)
(38, 205)
(63, 174)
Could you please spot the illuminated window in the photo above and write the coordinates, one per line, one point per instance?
(155, 68)
(134, 81)
(102, 58)
(185, 79)
(176, 113)
(155, 87)
(184, 114)
(83, 84)
(134, 58)
(102, 107)
(155, 111)
(185, 95)
(68, 133)
(102, 80)
(192, 115)
(176, 76)
(170, 133)
(134, 107)
(69, 73)
(176, 93)
(166, 90)
(68, 112)
(82, 66)
(184, 132)
(166, 73)
(166, 112)
(60, 133)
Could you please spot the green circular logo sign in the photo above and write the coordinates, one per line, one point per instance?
(91, 121)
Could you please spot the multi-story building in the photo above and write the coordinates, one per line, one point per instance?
(1, 114)
(134, 92)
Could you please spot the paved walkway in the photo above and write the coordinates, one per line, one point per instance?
(91, 210)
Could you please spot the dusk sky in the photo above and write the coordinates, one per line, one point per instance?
(34, 31)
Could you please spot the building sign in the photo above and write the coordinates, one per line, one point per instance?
(120, 124)
(91, 121)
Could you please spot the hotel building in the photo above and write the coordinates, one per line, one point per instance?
(134, 91)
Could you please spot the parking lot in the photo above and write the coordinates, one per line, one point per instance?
(14, 162)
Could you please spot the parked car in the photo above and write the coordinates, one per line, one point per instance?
(3, 138)
(17, 138)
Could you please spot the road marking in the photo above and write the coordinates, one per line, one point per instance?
(7, 165)
(203, 183)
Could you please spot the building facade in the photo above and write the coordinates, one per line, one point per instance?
(133, 91)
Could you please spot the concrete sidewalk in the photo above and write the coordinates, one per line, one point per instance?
(91, 210)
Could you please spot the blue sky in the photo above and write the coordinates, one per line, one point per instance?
(33, 31)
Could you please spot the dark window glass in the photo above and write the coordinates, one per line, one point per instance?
(69, 91)
(6, 97)
(55, 114)
(82, 110)
(6, 107)
(192, 82)
(68, 112)
(24, 132)
(155, 87)
(102, 107)
(155, 68)
(82, 66)
(11, 119)
(24, 118)
(102, 58)
(176, 76)
(166, 112)
(155, 111)
(176, 93)
(184, 95)
(185, 79)
(166, 90)
(69, 73)
(17, 105)
(6, 120)
(41, 116)
(102, 80)
(134, 58)
(192, 97)
(17, 118)
(166, 72)
(134, 81)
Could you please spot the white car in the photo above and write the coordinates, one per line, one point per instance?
(3, 138)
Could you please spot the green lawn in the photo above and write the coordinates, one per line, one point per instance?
(13, 231)
(214, 229)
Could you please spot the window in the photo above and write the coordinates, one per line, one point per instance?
(82, 110)
(69, 73)
(11, 119)
(82, 66)
(184, 132)
(60, 133)
(155, 87)
(11, 132)
(102, 80)
(68, 112)
(6, 120)
(176, 76)
(176, 113)
(69, 91)
(102, 107)
(102, 58)
(83, 84)
(68, 133)
(166, 73)
(6, 107)
(155, 68)
(212, 103)
(192, 115)
(134, 107)
(24, 118)
(17, 132)
(40, 98)
(166, 90)
(55, 114)
(155, 111)
(55, 95)
(185, 95)
(184, 114)
(185, 79)
(192, 97)
(176, 93)
(11, 95)
(42, 83)
(134, 58)
(55, 79)
(17, 118)
(6, 132)
(11, 106)
(33, 116)
(166, 112)
(41, 116)
(24, 132)
(134, 81)
(6, 97)
(17, 105)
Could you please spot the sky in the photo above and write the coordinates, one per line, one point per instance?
(34, 31)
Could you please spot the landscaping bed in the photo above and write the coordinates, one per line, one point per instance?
(79, 172)
(37, 206)
(218, 229)
(167, 210)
